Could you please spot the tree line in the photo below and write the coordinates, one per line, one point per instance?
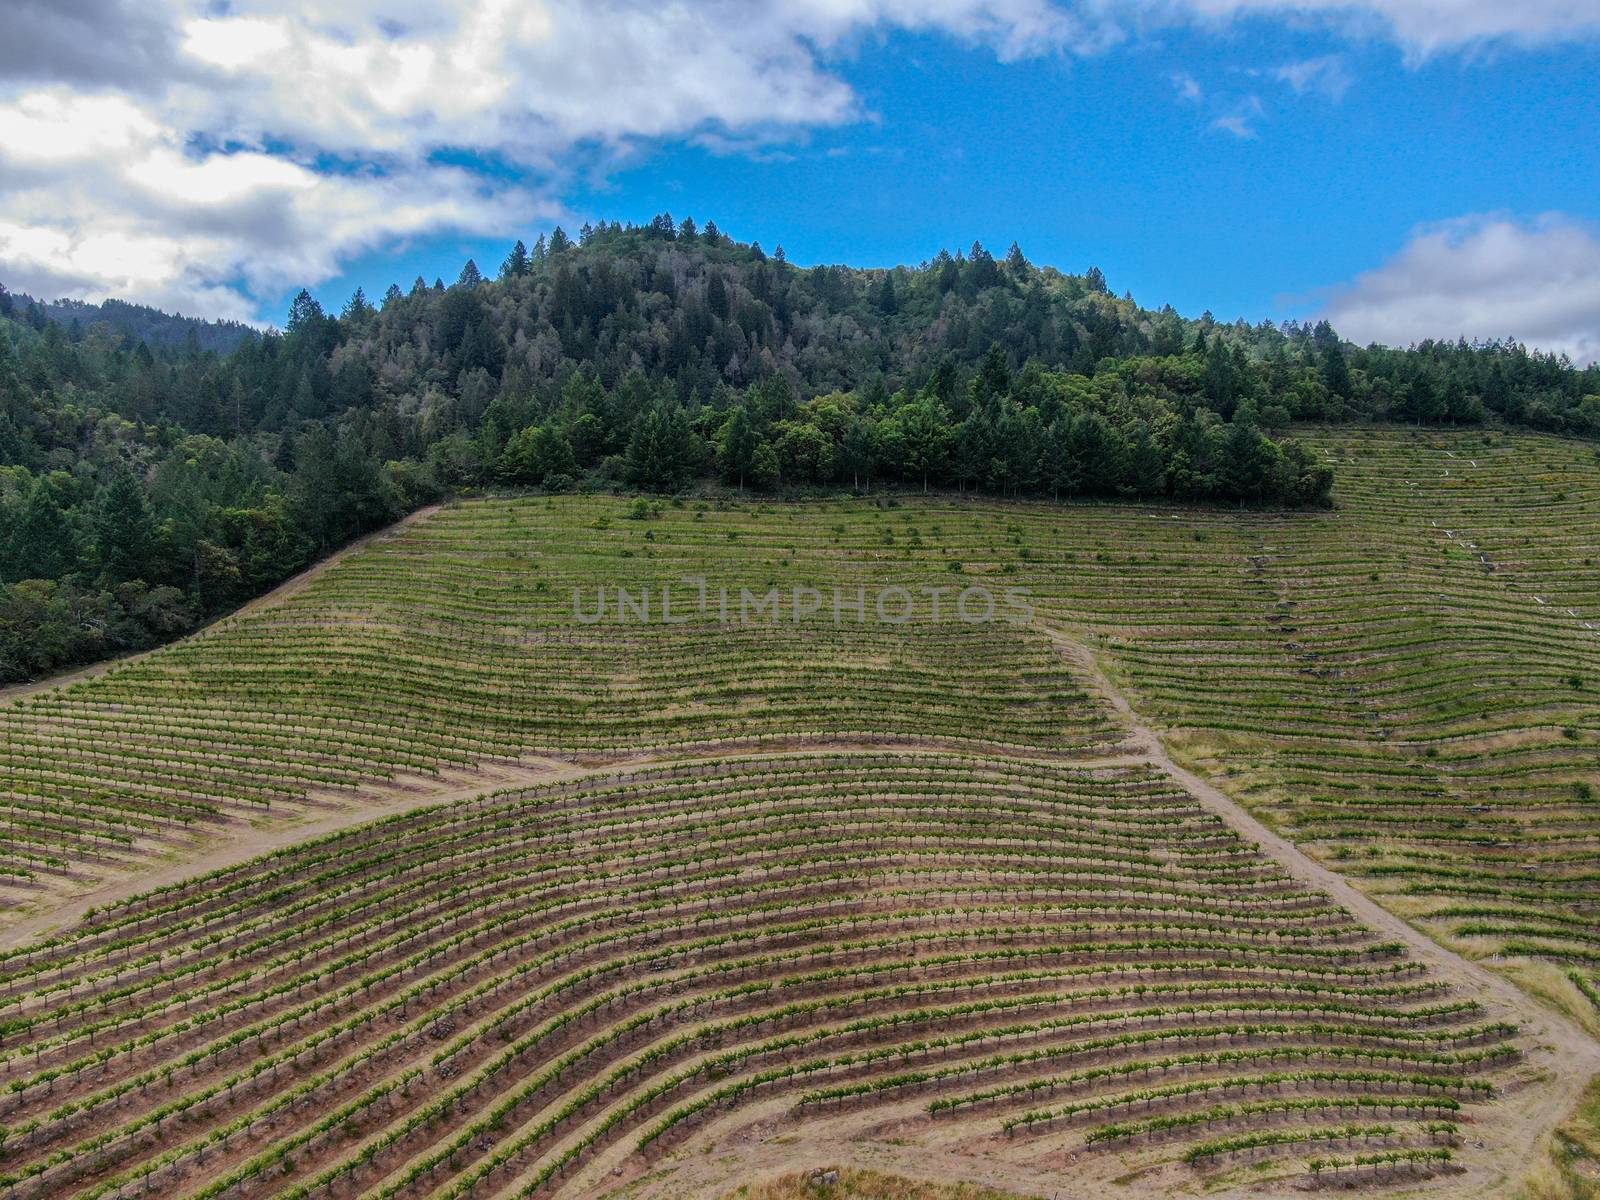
(148, 484)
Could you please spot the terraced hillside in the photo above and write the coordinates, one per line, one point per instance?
(552, 989)
(793, 879)
(1409, 686)
(457, 642)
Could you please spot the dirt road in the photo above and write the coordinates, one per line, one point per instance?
(1561, 1050)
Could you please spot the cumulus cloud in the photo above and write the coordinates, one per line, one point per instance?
(103, 198)
(1483, 276)
(90, 41)
(202, 153)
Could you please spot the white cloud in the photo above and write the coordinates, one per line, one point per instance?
(1235, 124)
(1241, 121)
(1423, 27)
(1326, 75)
(103, 199)
(224, 148)
(194, 170)
(1483, 276)
(1187, 85)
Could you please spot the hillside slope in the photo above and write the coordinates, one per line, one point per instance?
(815, 884)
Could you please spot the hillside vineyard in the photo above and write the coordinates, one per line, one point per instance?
(646, 904)
(514, 995)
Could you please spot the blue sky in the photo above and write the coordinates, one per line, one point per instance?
(1415, 168)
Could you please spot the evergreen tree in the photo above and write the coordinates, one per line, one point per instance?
(737, 444)
(717, 295)
(123, 531)
(974, 446)
(856, 453)
(516, 263)
(42, 542)
(304, 313)
(662, 453)
(994, 377)
(923, 440)
(357, 310)
(888, 302)
(1059, 468)
(307, 404)
(536, 455)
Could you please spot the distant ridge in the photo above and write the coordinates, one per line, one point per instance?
(140, 322)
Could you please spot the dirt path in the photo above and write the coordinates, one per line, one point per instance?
(1558, 1048)
(289, 587)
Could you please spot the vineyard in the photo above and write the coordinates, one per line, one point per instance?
(640, 894)
(524, 994)
(457, 643)
(1409, 687)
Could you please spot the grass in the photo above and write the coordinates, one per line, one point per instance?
(1569, 1162)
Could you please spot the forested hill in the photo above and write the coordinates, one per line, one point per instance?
(147, 483)
(138, 322)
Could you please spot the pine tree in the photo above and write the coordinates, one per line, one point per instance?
(470, 275)
(717, 295)
(736, 447)
(661, 455)
(516, 262)
(304, 312)
(123, 530)
(888, 302)
(42, 542)
(358, 309)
